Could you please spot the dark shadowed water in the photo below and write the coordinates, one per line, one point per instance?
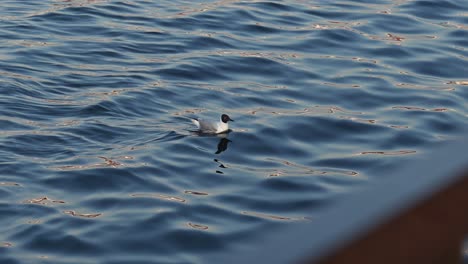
(98, 163)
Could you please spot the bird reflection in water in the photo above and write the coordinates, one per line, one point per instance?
(222, 146)
(221, 165)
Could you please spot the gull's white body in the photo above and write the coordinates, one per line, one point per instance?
(211, 127)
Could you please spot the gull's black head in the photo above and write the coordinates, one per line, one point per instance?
(225, 118)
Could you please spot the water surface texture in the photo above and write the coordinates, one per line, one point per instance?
(98, 163)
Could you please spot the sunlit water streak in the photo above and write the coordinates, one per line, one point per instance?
(98, 159)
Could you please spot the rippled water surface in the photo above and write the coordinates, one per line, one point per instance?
(98, 159)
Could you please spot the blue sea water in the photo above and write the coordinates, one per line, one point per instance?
(98, 161)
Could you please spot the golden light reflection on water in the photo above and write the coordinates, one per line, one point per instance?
(108, 162)
(399, 127)
(274, 217)
(197, 226)
(313, 110)
(159, 196)
(106, 95)
(458, 82)
(415, 108)
(9, 184)
(360, 120)
(44, 201)
(68, 123)
(34, 222)
(188, 111)
(389, 37)
(55, 6)
(61, 102)
(30, 43)
(6, 244)
(74, 213)
(388, 153)
(424, 87)
(304, 170)
(17, 75)
(195, 193)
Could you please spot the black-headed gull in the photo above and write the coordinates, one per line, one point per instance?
(213, 127)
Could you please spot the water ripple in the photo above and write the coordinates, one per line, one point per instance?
(99, 160)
